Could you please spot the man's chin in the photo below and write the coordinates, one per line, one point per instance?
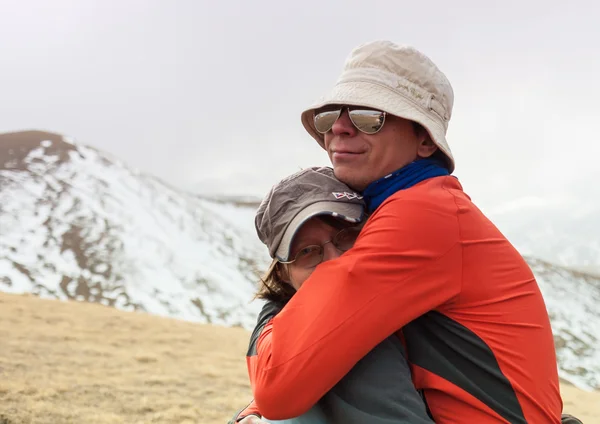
(353, 179)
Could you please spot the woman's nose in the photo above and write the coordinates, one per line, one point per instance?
(331, 252)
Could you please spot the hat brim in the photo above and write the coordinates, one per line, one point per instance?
(369, 94)
(350, 212)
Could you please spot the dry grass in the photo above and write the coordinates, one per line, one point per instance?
(65, 362)
(86, 363)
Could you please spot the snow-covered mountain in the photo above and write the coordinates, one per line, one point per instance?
(76, 223)
(572, 299)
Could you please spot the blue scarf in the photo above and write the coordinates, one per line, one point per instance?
(407, 176)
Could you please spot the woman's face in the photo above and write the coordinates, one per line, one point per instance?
(317, 233)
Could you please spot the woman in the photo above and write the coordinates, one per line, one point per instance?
(308, 218)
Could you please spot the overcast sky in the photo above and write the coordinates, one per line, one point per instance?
(208, 95)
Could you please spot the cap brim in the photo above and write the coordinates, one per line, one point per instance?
(351, 212)
(364, 93)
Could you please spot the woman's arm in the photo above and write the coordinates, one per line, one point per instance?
(250, 414)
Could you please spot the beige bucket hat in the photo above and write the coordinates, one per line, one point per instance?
(399, 80)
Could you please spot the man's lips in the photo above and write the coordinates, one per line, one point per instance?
(342, 154)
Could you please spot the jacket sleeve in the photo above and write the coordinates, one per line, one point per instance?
(406, 262)
(251, 409)
(269, 310)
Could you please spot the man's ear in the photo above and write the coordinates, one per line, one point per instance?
(426, 147)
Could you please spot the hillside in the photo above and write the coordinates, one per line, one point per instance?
(75, 362)
(77, 223)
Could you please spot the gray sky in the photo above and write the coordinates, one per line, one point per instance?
(208, 96)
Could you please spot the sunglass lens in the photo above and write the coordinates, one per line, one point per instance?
(366, 120)
(325, 120)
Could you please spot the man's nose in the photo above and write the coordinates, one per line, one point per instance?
(343, 125)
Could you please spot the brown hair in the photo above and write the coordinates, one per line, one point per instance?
(273, 287)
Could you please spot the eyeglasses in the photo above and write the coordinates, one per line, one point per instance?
(311, 256)
(368, 121)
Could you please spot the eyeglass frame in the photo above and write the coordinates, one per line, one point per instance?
(322, 247)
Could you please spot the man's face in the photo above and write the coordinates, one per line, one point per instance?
(358, 159)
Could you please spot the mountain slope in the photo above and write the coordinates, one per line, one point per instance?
(79, 224)
(76, 223)
(572, 299)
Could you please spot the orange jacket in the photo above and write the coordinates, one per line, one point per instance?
(430, 263)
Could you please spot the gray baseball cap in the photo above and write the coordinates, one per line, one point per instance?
(299, 197)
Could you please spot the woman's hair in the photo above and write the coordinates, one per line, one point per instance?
(273, 285)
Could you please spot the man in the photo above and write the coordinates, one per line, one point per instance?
(427, 262)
